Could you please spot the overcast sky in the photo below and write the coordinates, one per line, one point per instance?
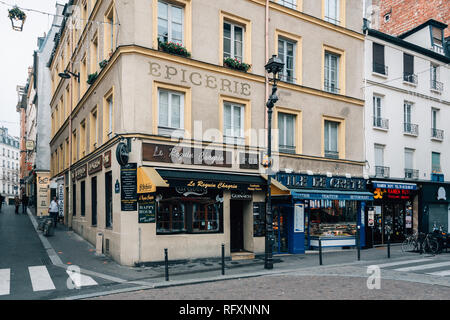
(16, 54)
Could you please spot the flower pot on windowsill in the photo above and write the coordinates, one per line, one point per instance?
(236, 64)
(103, 63)
(91, 78)
(173, 48)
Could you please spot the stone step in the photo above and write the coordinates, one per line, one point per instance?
(242, 256)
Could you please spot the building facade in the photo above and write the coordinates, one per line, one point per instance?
(407, 106)
(192, 120)
(9, 165)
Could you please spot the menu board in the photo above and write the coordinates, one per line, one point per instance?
(128, 180)
(146, 208)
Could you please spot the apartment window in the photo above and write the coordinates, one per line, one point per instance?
(233, 123)
(437, 36)
(408, 69)
(378, 59)
(435, 162)
(108, 117)
(331, 139)
(74, 147)
(410, 173)
(108, 200)
(94, 54)
(331, 72)
(93, 134)
(286, 51)
(286, 132)
(83, 198)
(83, 139)
(67, 157)
(171, 111)
(376, 111)
(288, 3)
(170, 22)
(233, 41)
(408, 126)
(84, 14)
(332, 11)
(109, 33)
(434, 115)
(434, 78)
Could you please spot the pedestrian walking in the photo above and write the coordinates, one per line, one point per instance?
(54, 210)
(24, 203)
(1, 202)
(17, 203)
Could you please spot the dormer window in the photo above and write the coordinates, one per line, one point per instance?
(437, 36)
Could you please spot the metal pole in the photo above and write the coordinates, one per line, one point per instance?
(358, 242)
(389, 246)
(223, 259)
(320, 252)
(166, 260)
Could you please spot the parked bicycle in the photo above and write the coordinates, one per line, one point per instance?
(428, 243)
(411, 243)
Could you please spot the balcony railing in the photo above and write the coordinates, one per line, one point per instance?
(331, 154)
(328, 87)
(381, 123)
(438, 49)
(380, 69)
(286, 149)
(411, 174)
(410, 77)
(410, 128)
(437, 134)
(382, 172)
(436, 85)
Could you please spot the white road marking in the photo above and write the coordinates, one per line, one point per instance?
(425, 266)
(5, 280)
(40, 278)
(399, 263)
(81, 280)
(441, 273)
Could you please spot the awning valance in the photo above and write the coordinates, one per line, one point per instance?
(148, 179)
(314, 194)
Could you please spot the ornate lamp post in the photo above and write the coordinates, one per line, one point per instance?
(274, 66)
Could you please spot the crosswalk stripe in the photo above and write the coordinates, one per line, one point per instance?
(81, 280)
(399, 263)
(5, 279)
(425, 266)
(40, 278)
(440, 273)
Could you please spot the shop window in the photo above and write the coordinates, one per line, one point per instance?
(205, 216)
(259, 219)
(171, 216)
(332, 218)
(83, 198)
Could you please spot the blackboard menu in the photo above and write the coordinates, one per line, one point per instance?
(128, 180)
(146, 208)
(259, 219)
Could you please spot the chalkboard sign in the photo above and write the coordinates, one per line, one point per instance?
(146, 208)
(128, 180)
(259, 219)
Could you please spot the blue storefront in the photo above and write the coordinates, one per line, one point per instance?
(319, 207)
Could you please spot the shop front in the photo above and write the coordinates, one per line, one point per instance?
(323, 208)
(434, 206)
(393, 207)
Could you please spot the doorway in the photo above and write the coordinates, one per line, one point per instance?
(236, 226)
(280, 229)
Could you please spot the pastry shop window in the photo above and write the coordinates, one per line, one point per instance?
(333, 218)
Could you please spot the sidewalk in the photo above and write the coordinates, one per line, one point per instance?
(71, 249)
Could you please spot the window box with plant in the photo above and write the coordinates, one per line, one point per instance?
(91, 78)
(236, 64)
(103, 63)
(173, 48)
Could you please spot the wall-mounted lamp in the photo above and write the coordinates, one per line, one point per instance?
(67, 75)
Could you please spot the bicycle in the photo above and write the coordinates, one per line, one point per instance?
(411, 243)
(429, 244)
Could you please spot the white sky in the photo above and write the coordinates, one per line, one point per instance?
(16, 54)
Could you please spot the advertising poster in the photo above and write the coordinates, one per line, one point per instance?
(43, 194)
(299, 218)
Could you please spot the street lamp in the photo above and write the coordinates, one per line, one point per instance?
(274, 66)
(67, 75)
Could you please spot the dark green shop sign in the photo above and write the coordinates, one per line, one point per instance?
(146, 208)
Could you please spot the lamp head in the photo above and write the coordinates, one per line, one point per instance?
(275, 65)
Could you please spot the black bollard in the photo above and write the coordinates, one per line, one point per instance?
(389, 246)
(320, 252)
(166, 260)
(358, 243)
(223, 259)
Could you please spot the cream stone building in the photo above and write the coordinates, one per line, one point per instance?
(192, 125)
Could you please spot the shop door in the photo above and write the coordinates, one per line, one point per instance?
(236, 226)
(280, 229)
(398, 228)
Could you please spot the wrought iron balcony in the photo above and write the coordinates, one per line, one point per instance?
(382, 172)
(437, 134)
(438, 49)
(411, 128)
(380, 69)
(331, 154)
(410, 77)
(436, 85)
(411, 174)
(381, 123)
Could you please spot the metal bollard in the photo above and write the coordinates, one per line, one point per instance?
(358, 243)
(389, 246)
(320, 252)
(166, 260)
(223, 259)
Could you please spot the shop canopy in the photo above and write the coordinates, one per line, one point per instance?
(314, 194)
(148, 179)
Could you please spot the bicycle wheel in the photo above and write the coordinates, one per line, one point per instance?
(433, 246)
(405, 245)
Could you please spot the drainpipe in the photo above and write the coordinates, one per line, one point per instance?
(266, 59)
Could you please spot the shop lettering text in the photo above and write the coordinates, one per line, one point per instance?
(220, 185)
(322, 182)
(171, 73)
(402, 194)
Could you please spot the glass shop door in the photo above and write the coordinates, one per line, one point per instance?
(280, 229)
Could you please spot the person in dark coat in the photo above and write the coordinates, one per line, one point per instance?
(17, 203)
(24, 203)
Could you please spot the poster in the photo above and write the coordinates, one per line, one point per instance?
(299, 218)
(43, 194)
(146, 208)
(61, 199)
(128, 179)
